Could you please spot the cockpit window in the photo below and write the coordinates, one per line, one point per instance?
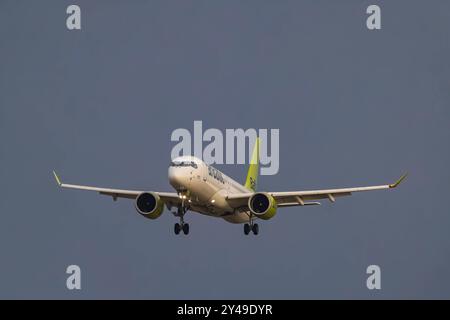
(184, 164)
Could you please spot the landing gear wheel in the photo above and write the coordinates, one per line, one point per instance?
(186, 228)
(177, 228)
(255, 229)
(181, 226)
(246, 229)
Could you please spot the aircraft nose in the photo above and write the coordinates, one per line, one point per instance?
(176, 178)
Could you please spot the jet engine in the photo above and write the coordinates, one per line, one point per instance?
(149, 205)
(262, 205)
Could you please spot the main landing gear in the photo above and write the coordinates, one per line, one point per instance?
(182, 225)
(251, 227)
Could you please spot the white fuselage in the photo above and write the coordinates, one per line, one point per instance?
(206, 188)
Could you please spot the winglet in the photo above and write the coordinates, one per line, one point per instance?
(57, 178)
(393, 185)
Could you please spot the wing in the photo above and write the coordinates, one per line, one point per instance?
(302, 198)
(169, 198)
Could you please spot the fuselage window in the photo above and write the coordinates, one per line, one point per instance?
(184, 164)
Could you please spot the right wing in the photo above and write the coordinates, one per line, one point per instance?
(301, 198)
(169, 198)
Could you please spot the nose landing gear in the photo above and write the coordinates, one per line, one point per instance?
(182, 226)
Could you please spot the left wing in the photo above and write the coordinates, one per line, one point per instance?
(169, 198)
(301, 198)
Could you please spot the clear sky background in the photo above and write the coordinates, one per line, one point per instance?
(354, 107)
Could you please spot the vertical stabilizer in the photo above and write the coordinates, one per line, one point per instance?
(253, 169)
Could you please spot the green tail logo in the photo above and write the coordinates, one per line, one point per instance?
(253, 169)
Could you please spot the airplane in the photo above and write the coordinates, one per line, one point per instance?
(203, 189)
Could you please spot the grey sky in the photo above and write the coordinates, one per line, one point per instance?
(354, 107)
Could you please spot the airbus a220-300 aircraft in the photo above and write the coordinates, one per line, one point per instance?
(204, 189)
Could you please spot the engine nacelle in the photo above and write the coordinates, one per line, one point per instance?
(149, 205)
(262, 205)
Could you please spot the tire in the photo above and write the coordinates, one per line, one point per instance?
(255, 229)
(246, 229)
(186, 228)
(177, 228)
